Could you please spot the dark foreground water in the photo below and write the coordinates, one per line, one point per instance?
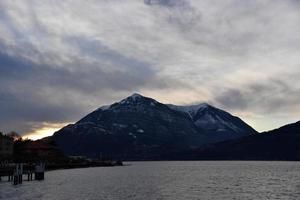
(165, 180)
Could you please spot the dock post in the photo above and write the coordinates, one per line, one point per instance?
(20, 177)
(18, 174)
(29, 175)
(15, 176)
(39, 172)
(15, 182)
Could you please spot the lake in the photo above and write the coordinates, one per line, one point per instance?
(165, 181)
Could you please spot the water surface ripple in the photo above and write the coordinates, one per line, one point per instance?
(165, 181)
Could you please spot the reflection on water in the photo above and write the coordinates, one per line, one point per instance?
(166, 180)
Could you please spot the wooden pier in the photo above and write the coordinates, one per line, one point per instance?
(15, 172)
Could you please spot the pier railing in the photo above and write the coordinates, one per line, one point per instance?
(14, 172)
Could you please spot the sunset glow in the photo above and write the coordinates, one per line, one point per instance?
(46, 130)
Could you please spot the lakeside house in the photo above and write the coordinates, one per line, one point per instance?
(6, 146)
(39, 149)
(30, 151)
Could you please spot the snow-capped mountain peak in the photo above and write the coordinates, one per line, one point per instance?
(134, 97)
(191, 109)
(141, 124)
(213, 119)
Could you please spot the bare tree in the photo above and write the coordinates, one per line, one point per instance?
(14, 135)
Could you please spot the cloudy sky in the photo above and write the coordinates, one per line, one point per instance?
(59, 60)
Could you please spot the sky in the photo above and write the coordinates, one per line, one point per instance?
(60, 60)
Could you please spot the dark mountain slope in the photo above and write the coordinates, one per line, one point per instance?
(279, 144)
(216, 123)
(142, 128)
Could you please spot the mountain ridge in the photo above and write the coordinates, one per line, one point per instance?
(278, 144)
(142, 128)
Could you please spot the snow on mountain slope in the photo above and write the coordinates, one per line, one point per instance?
(143, 127)
(213, 120)
(191, 110)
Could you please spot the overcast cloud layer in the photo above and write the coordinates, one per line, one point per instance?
(59, 60)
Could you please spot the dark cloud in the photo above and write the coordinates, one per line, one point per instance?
(232, 98)
(267, 96)
(61, 59)
(40, 93)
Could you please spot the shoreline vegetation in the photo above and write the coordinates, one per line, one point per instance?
(30, 153)
(277, 145)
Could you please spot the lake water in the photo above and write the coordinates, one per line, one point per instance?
(165, 181)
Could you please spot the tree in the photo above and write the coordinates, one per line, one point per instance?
(13, 134)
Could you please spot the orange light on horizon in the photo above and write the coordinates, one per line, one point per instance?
(46, 130)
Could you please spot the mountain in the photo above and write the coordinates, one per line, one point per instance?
(139, 127)
(218, 124)
(279, 144)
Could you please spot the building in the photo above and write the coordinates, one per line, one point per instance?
(32, 151)
(39, 149)
(6, 146)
